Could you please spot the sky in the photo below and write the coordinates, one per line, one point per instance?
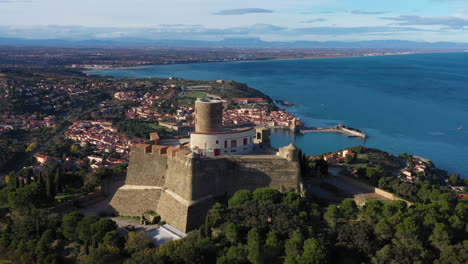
(269, 20)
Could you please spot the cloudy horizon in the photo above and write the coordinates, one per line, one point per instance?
(298, 20)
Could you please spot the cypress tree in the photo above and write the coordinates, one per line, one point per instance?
(58, 181)
(50, 186)
(254, 245)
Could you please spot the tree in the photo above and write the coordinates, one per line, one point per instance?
(254, 246)
(440, 236)
(314, 252)
(50, 185)
(332, 215)
(75, 148)
(385, 256)
(190, 251)
(321, 166)
(30, 195)
(267, 194)
(69, 225)
(102, 255)
(295, 201)
(84, 230)
(391, 208)
(372, 211)
(8, 178)
(456, 223)
(239, 198)
(383, 229)
(356, 241)
(293, 247)
(454, 254)
(58, 181)
(93, 179)
(407, 243)
(232, 234)
(408, 231)
(349, 159)
(349, 208)
(144, 259)
(112, 239)
(234, 255)
(447, 202)
(44, 242)
(425, 193)
(214, 218)
(137, 241)
(27, 175)
(406, 156)
(373, 174)
(31, 147)
(462, 211)
(454, 179)
(273, 246)
(101, 228)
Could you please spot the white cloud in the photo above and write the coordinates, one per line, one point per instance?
(449, 21)
(242, 11)
(361, 12)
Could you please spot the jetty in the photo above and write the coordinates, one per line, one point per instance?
(352, 132)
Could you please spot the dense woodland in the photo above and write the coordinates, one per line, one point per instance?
(261, 226)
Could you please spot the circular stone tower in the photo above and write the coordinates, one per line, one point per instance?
(208, 116)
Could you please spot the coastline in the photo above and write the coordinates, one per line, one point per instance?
(261, 60)
(240, 61)
(450, 167)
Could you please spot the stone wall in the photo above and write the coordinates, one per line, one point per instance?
(135, 201)
(147, 169)
(179, 176)
(181, 186)
(375, 190)
(174, 212)
(224, 176)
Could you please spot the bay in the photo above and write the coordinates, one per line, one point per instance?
(416, 104)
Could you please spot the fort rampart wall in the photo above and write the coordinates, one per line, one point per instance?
(181, 186)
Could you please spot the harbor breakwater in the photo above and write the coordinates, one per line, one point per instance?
(352, 132)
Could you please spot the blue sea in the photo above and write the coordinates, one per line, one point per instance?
(416, 104)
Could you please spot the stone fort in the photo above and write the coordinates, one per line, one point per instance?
(182, 182)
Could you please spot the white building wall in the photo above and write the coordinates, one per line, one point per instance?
(206, 144)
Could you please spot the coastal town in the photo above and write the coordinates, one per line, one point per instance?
(103, 135)
(10, 122)
(89, 144)
(168, 105)
(106, 106)
(240, 132)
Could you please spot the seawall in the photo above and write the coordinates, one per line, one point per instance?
(336, 129)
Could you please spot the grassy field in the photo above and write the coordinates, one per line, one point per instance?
(195, 95)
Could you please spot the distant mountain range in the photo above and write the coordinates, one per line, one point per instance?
(237, 42)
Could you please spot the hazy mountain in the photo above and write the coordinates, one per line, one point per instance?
(237, 42)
